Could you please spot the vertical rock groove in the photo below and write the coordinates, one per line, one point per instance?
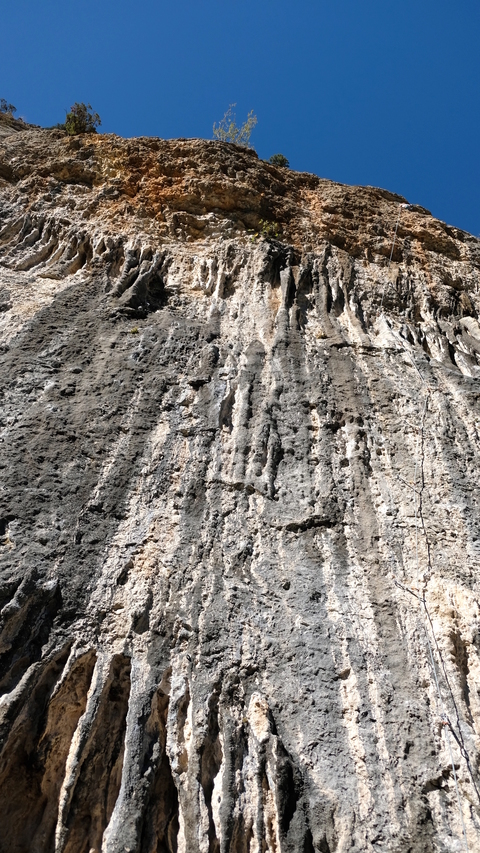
(210, 763)
(33, 758)
(98, 779)
(160, 827)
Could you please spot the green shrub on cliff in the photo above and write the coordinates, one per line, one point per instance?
(7, 108)
(80, 119)
(279, 160)
(227, 129)
(269, 229)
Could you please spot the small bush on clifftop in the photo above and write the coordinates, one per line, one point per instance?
(80, 119)
(228, 130)
(279, 160)
(7, 108)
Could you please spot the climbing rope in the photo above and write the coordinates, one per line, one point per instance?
(426, 619)
(446, 723)
(425, 613)
(402, 206)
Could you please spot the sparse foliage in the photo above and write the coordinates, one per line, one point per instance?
(227, 129)
(81, 119)
(267, 229)
(7, 108)
(279, 160)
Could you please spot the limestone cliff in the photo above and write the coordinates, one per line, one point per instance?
(239, 507)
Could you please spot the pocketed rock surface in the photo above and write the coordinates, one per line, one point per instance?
(239, 507)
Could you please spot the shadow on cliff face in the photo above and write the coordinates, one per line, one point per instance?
(33, 759)
(141, 286)
(25, 625)
(58, 450)
(98, 781)
(265, 804)
(160, 828)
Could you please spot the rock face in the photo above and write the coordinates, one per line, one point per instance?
(239, 507)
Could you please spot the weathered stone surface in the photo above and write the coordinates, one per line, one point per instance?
(233, 469)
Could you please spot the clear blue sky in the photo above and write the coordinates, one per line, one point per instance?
(381, 93)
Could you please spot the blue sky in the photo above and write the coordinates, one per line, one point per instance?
(380, 93)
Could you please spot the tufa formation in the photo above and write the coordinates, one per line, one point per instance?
(239, 507)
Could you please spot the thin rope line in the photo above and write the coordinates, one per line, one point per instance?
(407, 352)
(447, 722)
(422, 601)
(424, 611)
(459, 738)
(447, 736)
(415, 490)
(391, 255)
(420, 517)
(394, 237)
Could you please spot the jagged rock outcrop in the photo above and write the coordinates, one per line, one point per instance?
(239, 507)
